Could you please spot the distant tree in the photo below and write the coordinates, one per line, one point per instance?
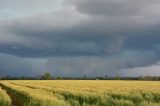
(47, 76)
(59, 78)
(117, 77)
(38, 77)
(141, 78)
(106, 76)
(84, 77)
(23, 77)
(7, 77)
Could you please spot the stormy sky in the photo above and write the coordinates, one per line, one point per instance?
(80, 37)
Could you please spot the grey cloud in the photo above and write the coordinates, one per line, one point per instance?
(71, 40)
(69, 32)
(142, 71)
(88, 36)
(94, 65)
(77, 66)
(17, 66)
(115, 7)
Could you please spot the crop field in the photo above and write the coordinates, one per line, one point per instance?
(4, 98)
(79, 93)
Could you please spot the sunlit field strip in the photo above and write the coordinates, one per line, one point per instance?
(31, 97)
(98, 93)
(4, 98)
(95, 85)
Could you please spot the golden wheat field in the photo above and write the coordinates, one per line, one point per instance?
(79, 93)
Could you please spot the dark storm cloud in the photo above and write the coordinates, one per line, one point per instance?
(88, 36)
(95, 65)
(17, 66)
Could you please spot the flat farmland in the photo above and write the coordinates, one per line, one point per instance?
(79, 93)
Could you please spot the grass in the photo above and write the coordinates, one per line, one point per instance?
(85, 93)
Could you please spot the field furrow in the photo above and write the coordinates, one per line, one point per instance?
(30, 97)
(5, 99)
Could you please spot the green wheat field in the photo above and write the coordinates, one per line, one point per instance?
(79, 93)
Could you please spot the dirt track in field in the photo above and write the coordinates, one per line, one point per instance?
(15, 101)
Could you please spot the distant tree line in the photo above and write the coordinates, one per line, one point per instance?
(48, 76)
